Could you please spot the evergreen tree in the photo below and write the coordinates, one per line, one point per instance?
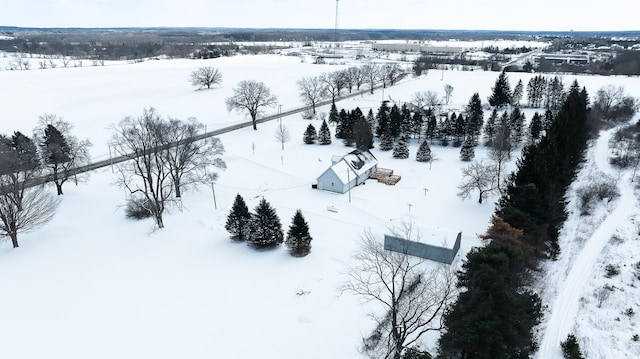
(406, 129)
(324, 136)
(432, 128)
(401, 150)
(333, 114)
(491, 128)
(55, 148)
(424, 152)
(571, 348)
(55, 153)
(371, 120)
(238, 219)
(535, 91)
(310, 135)
(494, 315)
(343, 124)
(362, 134)
(516, 126)
(382, 119)
(467, 150)
(535, 128)
(298, 238)
(501, 92)
(459, 130)
(547, 120)
(395, 121)
(475, 117)
(416, 124)
(386, 142)
(265, 229)
(517, 94)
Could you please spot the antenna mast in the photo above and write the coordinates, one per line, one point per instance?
(335, 31)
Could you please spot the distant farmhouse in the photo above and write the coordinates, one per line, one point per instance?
(348, 171)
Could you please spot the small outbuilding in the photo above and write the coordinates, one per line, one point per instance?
(434, 244)
(348, 171)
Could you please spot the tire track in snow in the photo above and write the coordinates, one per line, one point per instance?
(566, 305)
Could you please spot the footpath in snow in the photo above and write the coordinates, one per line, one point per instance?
(565, 306)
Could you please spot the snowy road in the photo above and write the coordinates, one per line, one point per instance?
(566, 304)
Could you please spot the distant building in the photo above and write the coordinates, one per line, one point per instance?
(348, 171)
(418, 47)
(435, 244)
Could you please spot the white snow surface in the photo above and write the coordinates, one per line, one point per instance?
(92, 284)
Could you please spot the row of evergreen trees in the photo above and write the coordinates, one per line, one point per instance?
(263, 229)
(495, 313)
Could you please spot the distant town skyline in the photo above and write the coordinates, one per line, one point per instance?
(540, 15)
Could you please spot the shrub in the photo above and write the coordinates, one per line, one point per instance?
(611, 270)
(629, 312)
(635, 337)
(570, 348)
(597, 191)
(138, 208)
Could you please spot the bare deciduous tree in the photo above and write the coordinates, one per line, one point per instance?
(412, 297)
(206, 76)
(478, 176)
(371, 73)
(428, 99)
(61, 156)
(163, 158)
(312, 90)
(190, 162)
(448, 91)
(334, 83)
(38, 207)
(501, 147)
(22, 208)
(391, 73)
(282, 134)
(251, 96)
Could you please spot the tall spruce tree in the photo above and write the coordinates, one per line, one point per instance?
(238, 219)
(501, 92)
(333, 114)
(467, 152)
(517, 94)
(424, 152)
(265, 229)
(55, 152)
(324, 135)
(395, 121)
(535, 128)
(386, 142)
(310, 135)
(491, 128)
(343, 124)
(298, 238)
(475, 117)
(382, 119)
(494, 314)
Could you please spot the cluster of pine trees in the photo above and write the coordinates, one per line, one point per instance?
(495, 313)
(263, 229)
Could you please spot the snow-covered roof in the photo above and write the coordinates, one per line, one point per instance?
(360, 161)
(353, 164)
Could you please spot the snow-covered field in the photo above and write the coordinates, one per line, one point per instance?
(92, 284)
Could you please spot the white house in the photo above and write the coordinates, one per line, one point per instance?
(348, 171)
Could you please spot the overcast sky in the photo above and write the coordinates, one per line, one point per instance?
(556, 15)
